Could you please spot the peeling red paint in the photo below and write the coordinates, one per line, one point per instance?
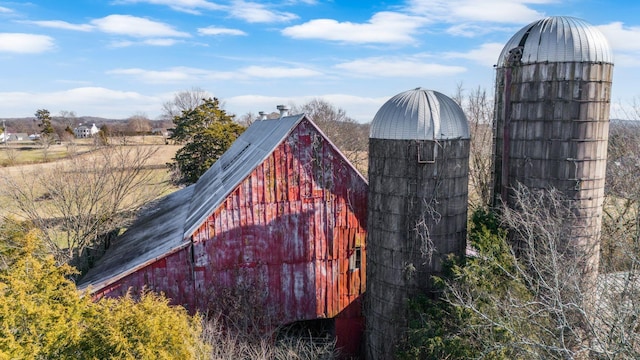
(291, 226)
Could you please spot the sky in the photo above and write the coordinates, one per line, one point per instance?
(120, 58)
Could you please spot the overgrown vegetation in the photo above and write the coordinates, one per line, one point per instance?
(42, 315)
(533, 305)
(621, 217)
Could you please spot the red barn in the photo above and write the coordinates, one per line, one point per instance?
(282, 211)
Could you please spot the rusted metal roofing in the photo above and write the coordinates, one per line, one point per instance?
(247, 152)
(557, 39)
(420, 114)
(155, 233)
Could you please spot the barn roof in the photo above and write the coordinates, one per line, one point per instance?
(165, 228)
(161, 227)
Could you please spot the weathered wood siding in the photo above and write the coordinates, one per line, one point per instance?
(418, 193)
(289, 229)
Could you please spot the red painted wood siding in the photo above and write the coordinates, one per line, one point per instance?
(289, 227)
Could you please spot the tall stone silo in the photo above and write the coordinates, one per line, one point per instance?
(553, 90)
(418, 179)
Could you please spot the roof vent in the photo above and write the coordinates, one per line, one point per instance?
(263, 115)
(284, 110)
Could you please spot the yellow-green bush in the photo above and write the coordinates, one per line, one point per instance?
(42, 315)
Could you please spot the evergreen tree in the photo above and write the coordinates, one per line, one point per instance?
(44, 118)
(206, 131)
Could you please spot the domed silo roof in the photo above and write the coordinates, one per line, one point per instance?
(559, 39)
(420, 114)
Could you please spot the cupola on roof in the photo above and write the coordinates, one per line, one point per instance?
(420, 114)
(557, 39)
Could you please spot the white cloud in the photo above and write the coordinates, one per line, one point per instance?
(214, 30)
(123, 43)
(21, 43)
(258, 13)
(621, 37)
(252, 12)
(398, 67)
(136, 27)
(278, 72)
(188, 6)
(93, 101)
(5, 10)
(176, 74)
(149, 42)
(161, 42)
(58, 24)
(306, 2)
(624, 43)
(187, 74)
(500, 11)
(487, 54)
(627, 59)
(471, 30)
(382, 28)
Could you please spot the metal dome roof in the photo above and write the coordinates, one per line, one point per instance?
(558, 39)
(420, 114)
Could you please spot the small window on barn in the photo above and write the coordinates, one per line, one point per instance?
(355, 260)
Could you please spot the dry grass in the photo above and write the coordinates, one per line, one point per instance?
(19, 163)
(233, 345)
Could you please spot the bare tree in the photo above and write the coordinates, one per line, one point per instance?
(478, 108)
(248, 118)
(184, 101)
(536, 304)
(621, 216)
(78, 200)
(348, 135)
(68, 118)
(139, 124)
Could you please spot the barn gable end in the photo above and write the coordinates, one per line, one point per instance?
(283, 212)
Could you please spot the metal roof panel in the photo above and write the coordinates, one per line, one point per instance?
(558, 39)
(244, 155)
(156, 232)
(420, 114)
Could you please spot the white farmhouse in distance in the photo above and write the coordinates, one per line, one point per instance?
(83, 131)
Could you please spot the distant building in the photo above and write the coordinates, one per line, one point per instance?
(84, 131)
(17, 137)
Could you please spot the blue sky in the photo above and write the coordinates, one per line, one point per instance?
(118, 58)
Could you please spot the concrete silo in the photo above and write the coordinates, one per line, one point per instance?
(553, 89)
(418, 178)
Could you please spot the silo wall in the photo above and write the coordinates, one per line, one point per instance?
(417, 216)
(551, 131)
